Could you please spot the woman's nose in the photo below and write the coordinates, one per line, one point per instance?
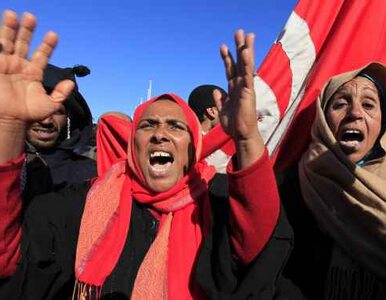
(160, 134)
(356, 110)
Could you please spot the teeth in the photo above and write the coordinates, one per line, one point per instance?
(354, 131)
(44, 131)
(159, 154)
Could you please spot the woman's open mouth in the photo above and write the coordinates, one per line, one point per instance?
(350, 139)
(160, 162)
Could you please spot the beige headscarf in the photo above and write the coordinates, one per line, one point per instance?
(347, 201)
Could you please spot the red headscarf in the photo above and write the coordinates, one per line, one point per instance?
(113, 132)
(184, 217)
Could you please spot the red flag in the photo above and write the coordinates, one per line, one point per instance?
(320, 39)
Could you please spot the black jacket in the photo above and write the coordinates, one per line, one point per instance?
(309, 264)
(64, 163)
(50, 236)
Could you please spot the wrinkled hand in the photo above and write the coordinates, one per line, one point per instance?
(22, 96)
(238, 110)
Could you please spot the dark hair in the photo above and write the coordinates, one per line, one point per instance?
(201, 98)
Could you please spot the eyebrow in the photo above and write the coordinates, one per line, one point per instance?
(166, 120)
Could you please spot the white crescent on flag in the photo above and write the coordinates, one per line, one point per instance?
(297, 45)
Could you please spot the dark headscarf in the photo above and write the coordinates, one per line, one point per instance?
(79, 112)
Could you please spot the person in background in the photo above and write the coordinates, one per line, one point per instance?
(335, 198)
(202, 103)
(55, 145)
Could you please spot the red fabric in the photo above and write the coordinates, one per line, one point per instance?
(10, 212)
(184, 199)
(216, 139)
(255, 207)
(105, 222)
(275, 71)
(112, 137)
(345, 34)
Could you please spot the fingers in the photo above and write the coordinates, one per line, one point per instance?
(245, 65)
(230, 66)
(239, 41)
(245, 57)
(240, 47)
(250, 45)
(245, 50)
(247, 60)
(15, 39)
(218, 99)
(8, 31)
(43, 53)
(62, 91)
(24, 35)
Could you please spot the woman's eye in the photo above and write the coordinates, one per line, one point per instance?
(339, 104)
(368, 105)
(176, 126)
(145, 125)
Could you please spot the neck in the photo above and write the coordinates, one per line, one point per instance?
(206, 125)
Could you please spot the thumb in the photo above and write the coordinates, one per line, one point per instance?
(62, 90)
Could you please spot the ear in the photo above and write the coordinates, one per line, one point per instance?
(212, 112)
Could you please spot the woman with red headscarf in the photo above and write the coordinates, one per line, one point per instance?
(138, 231)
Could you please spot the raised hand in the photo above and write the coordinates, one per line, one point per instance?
(238, 110)
(22, 96)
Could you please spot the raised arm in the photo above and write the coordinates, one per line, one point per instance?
(22, 100)
(22, 96)
(254, 199)
(238, 110)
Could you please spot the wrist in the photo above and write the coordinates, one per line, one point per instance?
(12, 124)
(12, 136)
(249, 150)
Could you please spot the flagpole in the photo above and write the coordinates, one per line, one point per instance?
(149, 90)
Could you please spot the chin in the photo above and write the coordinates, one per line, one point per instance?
(160, 186)
(355, 157)
(42, 144)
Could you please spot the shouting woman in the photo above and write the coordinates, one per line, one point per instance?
(336, 200)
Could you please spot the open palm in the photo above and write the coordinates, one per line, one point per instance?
(22, 96)
(238, 109)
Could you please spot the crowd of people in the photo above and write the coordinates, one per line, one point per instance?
(154, 214)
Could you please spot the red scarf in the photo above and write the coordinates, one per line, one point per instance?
(185, 218)
(113, 131)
